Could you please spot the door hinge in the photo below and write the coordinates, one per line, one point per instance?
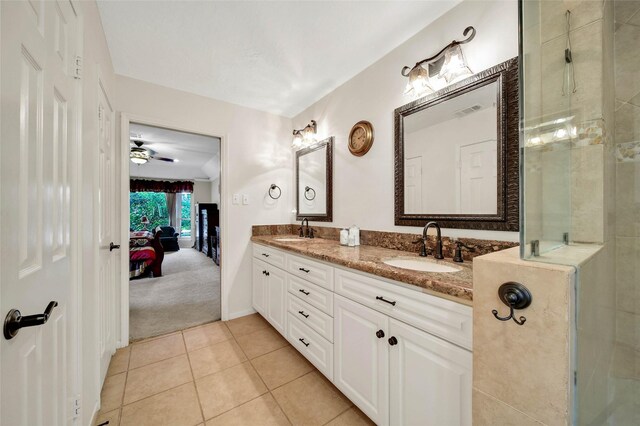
(77, 67)
(75, 407)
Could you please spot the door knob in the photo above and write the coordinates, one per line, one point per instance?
(14, 320)
(112, 246)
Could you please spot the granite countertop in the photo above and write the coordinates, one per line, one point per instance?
(457, 286)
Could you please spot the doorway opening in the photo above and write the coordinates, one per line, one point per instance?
(174, 230)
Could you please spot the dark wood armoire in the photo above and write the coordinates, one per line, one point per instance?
(208, 218)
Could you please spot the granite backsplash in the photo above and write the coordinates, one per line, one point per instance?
(392, 240)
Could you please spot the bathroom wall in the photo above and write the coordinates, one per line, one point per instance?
(256, 148)
(626, 367)
(363, 185)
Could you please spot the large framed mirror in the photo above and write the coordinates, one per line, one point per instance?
(314, 182)
(456, 154)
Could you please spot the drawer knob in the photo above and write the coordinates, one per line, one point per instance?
(393, 341)
(265, 254)
(306, 293)
(303, 314)
(304, 270)
(379, 334)
(392, 303)
(264, 272)
(303, 342)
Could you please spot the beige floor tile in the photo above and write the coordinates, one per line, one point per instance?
(227, 389)
(119, 361)
(281, 366)
(155, 378)
(261, 342)
(206, 335)
(175, 407)
(156, 350)
(112, 417)
(214, 358)
(311, 400)
(351, 417)
(112, 390)
(263, 411)
(148, 339)
(247, 324)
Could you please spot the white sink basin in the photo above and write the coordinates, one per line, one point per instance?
(422, 265)
(297, 240)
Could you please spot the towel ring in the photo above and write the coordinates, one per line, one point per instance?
(308, 189)
(271, 188)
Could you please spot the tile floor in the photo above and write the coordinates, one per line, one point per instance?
(240, 372)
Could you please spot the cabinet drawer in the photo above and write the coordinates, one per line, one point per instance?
(311, 293)
(310, 270)
(316, 320)
(444, 318)
(271, 256)
(310, 344)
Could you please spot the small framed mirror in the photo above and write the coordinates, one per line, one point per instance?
(314, 182)
(456, 154)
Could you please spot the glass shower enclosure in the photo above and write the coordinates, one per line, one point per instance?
(580, 183)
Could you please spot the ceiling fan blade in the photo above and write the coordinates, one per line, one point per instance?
(169, 160)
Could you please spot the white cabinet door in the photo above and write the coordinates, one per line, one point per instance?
(259, 278)
(276, 292)
(361, 358)
(430, 379)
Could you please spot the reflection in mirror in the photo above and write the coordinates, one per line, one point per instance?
(450, 155)
(313, 192)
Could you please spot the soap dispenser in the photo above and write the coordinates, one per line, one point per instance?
(344, 237)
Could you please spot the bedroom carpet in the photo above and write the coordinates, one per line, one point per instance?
(187, 294)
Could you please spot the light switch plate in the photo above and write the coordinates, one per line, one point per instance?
(236, 199)
(245, 199)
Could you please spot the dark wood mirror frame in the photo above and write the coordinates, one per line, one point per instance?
(508, 212)
(328, 217)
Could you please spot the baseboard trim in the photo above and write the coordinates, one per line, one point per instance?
(242, 313)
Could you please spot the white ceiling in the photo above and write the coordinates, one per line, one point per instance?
(274, 56)
(485, 97)
(198, 156)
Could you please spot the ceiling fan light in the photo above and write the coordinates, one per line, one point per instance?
(138, 156)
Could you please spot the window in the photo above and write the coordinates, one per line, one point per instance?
(185, 219)
(152, 205)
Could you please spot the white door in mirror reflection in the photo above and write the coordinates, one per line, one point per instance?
(478, 178)
(413, 184)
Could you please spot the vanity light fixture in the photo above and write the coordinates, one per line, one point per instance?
(446, 67)
(305, 137)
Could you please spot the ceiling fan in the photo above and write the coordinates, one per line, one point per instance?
(140, 155)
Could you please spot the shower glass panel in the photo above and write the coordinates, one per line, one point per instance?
(580, 174)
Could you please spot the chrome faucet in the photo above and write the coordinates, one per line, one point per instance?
(302, 233)
(438, 251)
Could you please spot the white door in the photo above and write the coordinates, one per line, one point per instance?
(259, 278)
(276, 291)
(479, 178)
(107, 232)
(413, 185)
(361, 357)
(430, 379)
(38, 232)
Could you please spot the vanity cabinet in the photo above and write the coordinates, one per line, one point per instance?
(361, 357)
(268, 293)
(402, 356)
